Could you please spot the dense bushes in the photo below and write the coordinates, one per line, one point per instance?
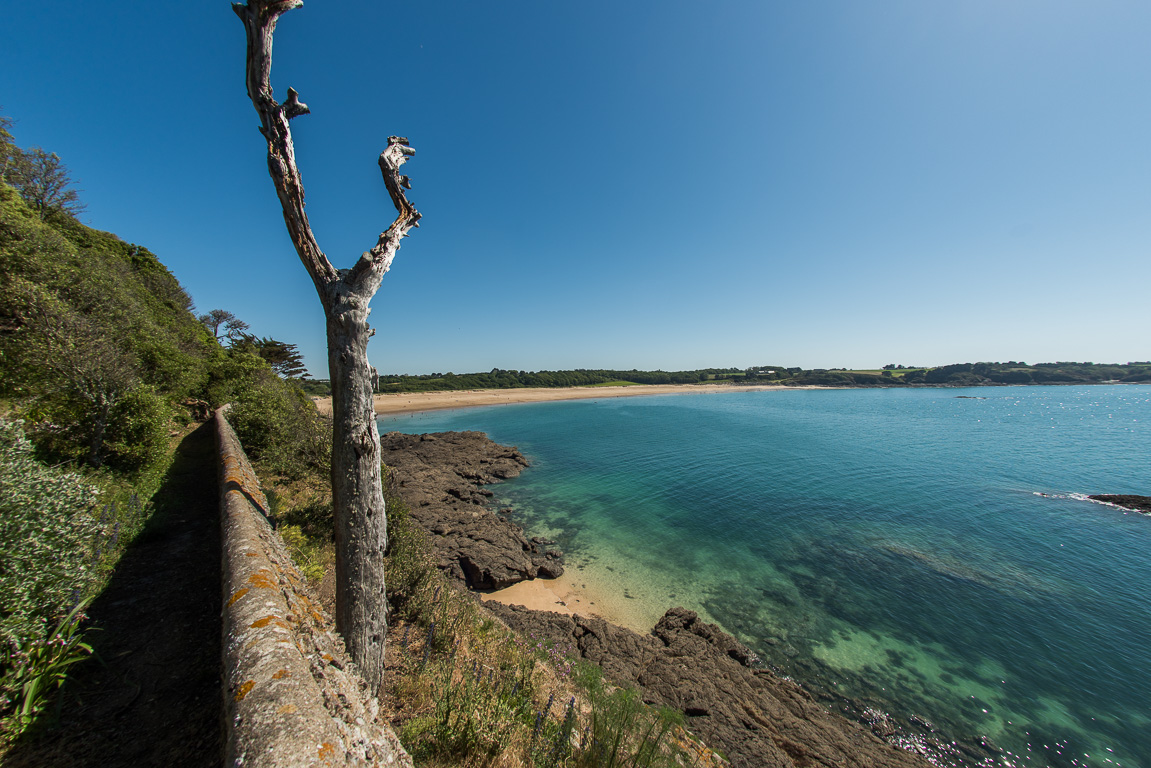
(47, 536)
(50, 547)
(279, 426)
(137, 433)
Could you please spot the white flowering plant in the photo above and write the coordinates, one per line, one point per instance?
(49, 550)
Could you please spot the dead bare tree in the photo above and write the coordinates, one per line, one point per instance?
(357, 492)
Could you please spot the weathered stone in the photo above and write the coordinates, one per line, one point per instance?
(290, 696)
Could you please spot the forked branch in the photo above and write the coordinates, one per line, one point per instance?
(260, 17)
(370, 269)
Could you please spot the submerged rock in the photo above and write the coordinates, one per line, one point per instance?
(441, 476)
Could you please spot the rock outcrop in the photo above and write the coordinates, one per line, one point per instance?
(749, 714)
(441, 477)
(1136, 503)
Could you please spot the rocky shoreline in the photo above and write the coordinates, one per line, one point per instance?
(750, 714)
(441, 477)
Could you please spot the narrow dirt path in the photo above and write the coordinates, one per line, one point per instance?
(155, 700)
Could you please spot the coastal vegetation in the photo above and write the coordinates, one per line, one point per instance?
(103, 370)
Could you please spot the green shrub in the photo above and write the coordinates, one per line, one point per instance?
(279, 425)
(231, 373)
(137, 435)
(305, 553)
(47, 535)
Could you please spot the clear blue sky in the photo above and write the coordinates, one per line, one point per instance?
(647, 184)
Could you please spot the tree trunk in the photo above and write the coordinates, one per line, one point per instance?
(357, 491)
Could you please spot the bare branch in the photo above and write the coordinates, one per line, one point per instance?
(370, 269)
(293, 107)
(260, 17)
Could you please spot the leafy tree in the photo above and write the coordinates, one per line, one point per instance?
(44, 181)
(7, 146)
(223, 323)
(285, 359)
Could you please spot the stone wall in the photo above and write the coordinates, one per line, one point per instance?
(291, 696)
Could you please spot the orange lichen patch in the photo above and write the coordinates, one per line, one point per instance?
(238, 594)
(281, 674)
(287, 709)
(327, 752)
(261, 623)
(251, 554)
(327, 657)
(261, 580)
(245, 688)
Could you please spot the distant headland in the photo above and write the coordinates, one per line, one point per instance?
(436, 391)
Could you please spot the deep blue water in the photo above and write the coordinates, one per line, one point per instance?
(890, 545)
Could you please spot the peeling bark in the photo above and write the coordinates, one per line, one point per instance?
(357, 490)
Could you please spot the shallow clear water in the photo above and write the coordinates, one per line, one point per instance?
(890, 545)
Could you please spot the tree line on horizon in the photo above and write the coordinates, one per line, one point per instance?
(959, 374)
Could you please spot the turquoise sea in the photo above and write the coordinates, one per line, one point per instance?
(926, 554)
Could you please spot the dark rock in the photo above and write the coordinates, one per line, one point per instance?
(441, 477)
(1136, 503)
(548, 567)
(749, 714)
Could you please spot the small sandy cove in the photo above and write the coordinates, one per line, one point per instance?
(471, 398)
(566, 594)
(577, 593)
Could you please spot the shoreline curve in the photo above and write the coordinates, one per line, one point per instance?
(414, 402)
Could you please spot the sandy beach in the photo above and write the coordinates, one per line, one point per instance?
(560, 595)
(577, 593)
(413, 402)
